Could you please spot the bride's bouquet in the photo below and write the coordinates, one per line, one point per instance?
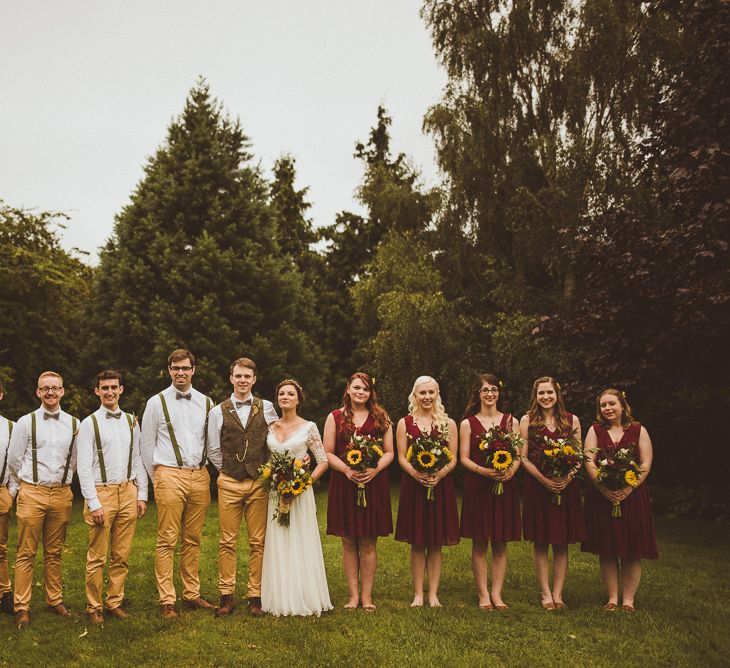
(363, 452)
(501, 448)
(287, 478)
(429, 454)
(616, 471)
(560, 457)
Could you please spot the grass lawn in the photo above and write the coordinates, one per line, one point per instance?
(682, 616)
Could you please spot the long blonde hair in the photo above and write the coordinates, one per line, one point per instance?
(440, 417)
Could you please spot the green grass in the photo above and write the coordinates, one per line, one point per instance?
(682, 613)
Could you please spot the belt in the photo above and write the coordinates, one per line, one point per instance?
(50, 485)
(114, 484)
(180, 468)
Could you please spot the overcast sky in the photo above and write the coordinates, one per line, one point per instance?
(89, 88)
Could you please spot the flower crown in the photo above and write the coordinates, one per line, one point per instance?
(291, 381)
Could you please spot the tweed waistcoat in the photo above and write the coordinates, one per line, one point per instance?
(243, 446)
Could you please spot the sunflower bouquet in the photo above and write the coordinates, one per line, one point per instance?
(363, 452)
(501, 448)
(560, 456)
(286, 477)
(429, 454)
(616, 471)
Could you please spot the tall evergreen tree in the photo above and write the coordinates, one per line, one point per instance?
(194, 261)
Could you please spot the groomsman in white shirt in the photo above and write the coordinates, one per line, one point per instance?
(41, 461)
(114, 485)
(174, 452)
(6, 505)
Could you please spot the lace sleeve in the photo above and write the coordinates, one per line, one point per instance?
(314, 443)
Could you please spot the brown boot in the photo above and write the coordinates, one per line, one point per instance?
(6, 604)
(198, 604)
(167, 610)
(226, 606)
(118, 613)
(59, 609)
(95, 617)
(22, 618)
(254, 606)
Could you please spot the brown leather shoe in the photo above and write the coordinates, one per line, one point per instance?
(199, 604)
(22, 618)
(59, 610)
(167, 610)
(118, 613)
(95, 617)
(226, 606)
(254, 606)
(6, 604)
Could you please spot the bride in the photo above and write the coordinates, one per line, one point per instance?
(293, 580)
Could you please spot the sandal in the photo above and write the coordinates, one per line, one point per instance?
(610, 607)
(627, 608)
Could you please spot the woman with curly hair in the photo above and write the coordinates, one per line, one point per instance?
(620, 542)
(428, 517)
(358, 507)
(544, 522)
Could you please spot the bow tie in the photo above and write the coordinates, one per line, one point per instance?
(51, 416)
(184, 395)
(116, 415)
(248, 402)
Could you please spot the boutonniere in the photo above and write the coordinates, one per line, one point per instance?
(254, 410)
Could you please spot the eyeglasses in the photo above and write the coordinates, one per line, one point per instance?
(47, 390)
(488, 390)
(184, 369)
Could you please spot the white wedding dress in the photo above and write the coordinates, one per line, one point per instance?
(293, 579)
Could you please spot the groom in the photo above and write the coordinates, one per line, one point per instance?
(237, 430)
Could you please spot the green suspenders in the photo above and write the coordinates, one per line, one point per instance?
(5, 463)
(34, 448)
(171, 431)
(100, 454)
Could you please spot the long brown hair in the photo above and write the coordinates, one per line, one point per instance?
(627, 419)
(535, 414)
(380, 415)
(473, 398)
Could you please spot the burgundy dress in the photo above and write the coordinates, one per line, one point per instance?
(631, 535)
(542, 520)
(344, 516)
(422, 521)
(485, 515)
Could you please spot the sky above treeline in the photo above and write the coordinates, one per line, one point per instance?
(89, 88)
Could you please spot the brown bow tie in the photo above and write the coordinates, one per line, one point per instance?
(183, 395)
(51, 416)
(116, 415)
(248, 402)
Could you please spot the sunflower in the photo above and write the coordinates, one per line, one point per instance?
(483, 444)
(569, 450)
(448, 453)
(377, 450)
(426, 459)
(409, 454)
(551, 452)
(501, 460)
(630, 478)
(265, 471)
(297, 486)
(297, 464)
(354, 457)
(283, 487)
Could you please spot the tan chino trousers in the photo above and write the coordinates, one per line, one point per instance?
(119, 503)
(182, 496)
(6, 505)
(235, 499)
(43, 514)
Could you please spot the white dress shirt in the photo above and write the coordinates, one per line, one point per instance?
(4, 445)
(53, 438)
(188, 422)
(215, 424)
(114, 437)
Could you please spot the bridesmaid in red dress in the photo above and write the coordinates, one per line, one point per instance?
(426, 524)
(620, 542)
(486, 516)
(359, 527)
(543, 522)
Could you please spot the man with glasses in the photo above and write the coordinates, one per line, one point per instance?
(114, 484)
(41, 461)
(6, 505)
(174, 452)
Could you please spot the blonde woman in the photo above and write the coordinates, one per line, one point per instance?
(424, 522)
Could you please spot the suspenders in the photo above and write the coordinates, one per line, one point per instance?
(34, 448)
(5, 463)
(99, 452)
(171, 431)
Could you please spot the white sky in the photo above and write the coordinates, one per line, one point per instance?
(89, 87)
